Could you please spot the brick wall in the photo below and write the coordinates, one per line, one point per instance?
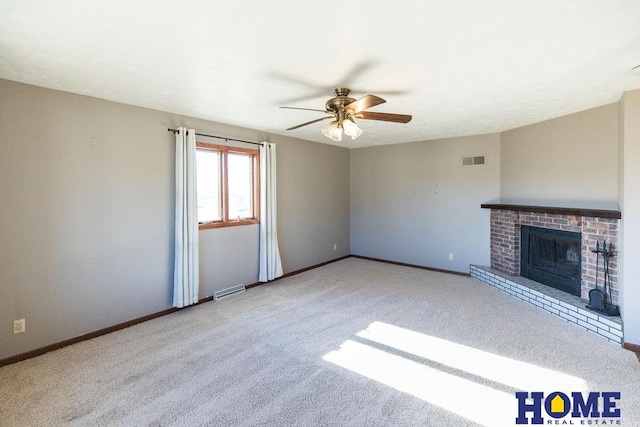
(505, 242)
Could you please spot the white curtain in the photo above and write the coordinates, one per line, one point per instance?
(186, 275)
(270, 263)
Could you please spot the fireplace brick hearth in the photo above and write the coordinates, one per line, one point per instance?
(567, 307)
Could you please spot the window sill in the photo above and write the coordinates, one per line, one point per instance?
(227, 224)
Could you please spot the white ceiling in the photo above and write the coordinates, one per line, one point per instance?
(460, 67)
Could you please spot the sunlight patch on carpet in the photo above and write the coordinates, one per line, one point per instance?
(465, 397)
(510, 372)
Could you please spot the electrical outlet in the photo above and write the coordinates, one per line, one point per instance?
(450, 257)
(18, 326)
(335, 247)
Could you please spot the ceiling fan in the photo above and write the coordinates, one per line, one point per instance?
(344, 110)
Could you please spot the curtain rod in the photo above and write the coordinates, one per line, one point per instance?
(219, 137)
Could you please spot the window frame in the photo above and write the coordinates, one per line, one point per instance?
(224, 151)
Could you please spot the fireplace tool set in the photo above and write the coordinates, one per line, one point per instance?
(600, 300)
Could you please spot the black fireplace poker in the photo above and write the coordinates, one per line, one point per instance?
(600, 300)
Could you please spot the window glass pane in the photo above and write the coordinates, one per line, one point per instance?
(208, 177)
(240, 170)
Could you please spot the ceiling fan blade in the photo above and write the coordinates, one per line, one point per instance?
(300, 81)
(301, 98)
(307, 109)
(311, 122)
(356, 72)
(386, 117)
(364, 103)
(384, 92)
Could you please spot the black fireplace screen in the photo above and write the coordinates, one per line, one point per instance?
(551, 257)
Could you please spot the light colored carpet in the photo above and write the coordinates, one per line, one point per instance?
(354, 343)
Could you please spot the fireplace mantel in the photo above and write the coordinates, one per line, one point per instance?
(588, 212)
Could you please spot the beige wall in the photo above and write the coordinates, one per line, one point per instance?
(415, 203)
(86, 213)
(571, 160)
(313, 202)
(630, 207)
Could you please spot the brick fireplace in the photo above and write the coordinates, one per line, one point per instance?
(505, 238)
(594, 225)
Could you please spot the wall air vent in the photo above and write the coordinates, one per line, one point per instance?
(224, 293)
(473, 160)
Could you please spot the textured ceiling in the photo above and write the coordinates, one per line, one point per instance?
(460, 67)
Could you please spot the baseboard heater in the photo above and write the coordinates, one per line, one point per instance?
(224, 293)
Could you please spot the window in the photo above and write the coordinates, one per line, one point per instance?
(228, 185)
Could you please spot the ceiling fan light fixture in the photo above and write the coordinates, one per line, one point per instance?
(333, 131)
(351, 128)
(343, 109)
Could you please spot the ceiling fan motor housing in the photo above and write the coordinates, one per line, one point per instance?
(337, 104)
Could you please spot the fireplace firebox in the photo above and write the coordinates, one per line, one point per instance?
(551, 257)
